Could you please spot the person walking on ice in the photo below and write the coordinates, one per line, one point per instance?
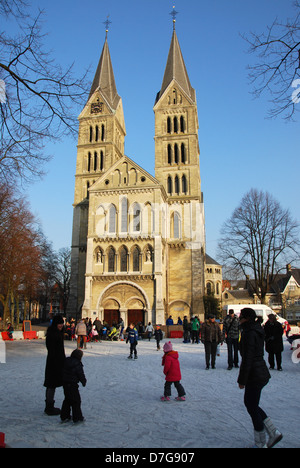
(171, 364)
(253, 377)
(132, 337)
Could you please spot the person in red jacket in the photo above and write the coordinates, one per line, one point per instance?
(170, 361)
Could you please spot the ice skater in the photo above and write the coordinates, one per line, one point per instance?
(158, 335)
(253, 377)
(132, 338)
(171, 364)
(73, 373)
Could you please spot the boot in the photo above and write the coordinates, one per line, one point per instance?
(50, 410)
(274, 435)
(260, 439)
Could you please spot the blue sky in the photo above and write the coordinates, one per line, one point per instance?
(240, 148)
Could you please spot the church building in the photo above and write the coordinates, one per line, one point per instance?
(138, 244)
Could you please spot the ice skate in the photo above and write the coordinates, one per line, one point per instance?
(165, 398)
(180, 398)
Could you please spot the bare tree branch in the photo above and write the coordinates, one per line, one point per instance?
(41, 102)
(278, 69)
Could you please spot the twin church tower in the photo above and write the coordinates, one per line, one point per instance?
(138, 244)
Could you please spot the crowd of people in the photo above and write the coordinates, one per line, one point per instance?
(212, 333)
(244, 334)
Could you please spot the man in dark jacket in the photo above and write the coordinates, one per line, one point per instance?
(274, 343)
(211, 337)
(231, 333)
(254, 376)
(73, 374)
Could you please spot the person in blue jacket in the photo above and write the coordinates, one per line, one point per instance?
(170, 321)
(132, 337)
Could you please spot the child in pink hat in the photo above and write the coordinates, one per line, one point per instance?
(170, 361)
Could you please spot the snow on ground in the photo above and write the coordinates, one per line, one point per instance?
(121, 402)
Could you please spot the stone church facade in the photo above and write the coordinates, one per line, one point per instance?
(138, 244)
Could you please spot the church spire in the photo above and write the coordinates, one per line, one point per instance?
(175, 68)
(104, 77)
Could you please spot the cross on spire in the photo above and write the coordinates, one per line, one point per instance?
(107, 23)
(174, 13)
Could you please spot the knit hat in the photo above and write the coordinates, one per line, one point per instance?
(168, 347)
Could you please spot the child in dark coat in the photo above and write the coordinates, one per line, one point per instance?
(73, 374)
(132, 337)
(170, 361)
(158, 335)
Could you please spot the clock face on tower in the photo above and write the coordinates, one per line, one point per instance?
(96, 107)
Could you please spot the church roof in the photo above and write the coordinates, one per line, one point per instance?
(176, 70)
(104, 78)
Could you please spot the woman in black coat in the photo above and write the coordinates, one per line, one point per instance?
(254, 376)
(55, 363)
(274, 342)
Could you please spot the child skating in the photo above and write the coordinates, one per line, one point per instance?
(158, 335)
(132, 338)
(73, 374)
(170, 361)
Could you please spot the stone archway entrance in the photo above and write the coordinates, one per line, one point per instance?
(124, 300)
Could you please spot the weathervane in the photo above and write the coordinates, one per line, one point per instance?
(107, 23)
(174, 13)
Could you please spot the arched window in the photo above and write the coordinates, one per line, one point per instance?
(176, 225)
(97, 133)
(102, 132)
(124, 215)
(89, 162)
(123, 259)
(209, 289)
(111, 257)
(87, 190)
(177, 185)
(169, 154)
(184, 184)
(176, 154)
(174, 96)
(95, 161)
(170, 185)
(136, 259)
(91, 134)
(112, 219)
(175, 125)
(136, 218)
(183, 157)
(169, 127)
(101, 161)
(182, 124)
